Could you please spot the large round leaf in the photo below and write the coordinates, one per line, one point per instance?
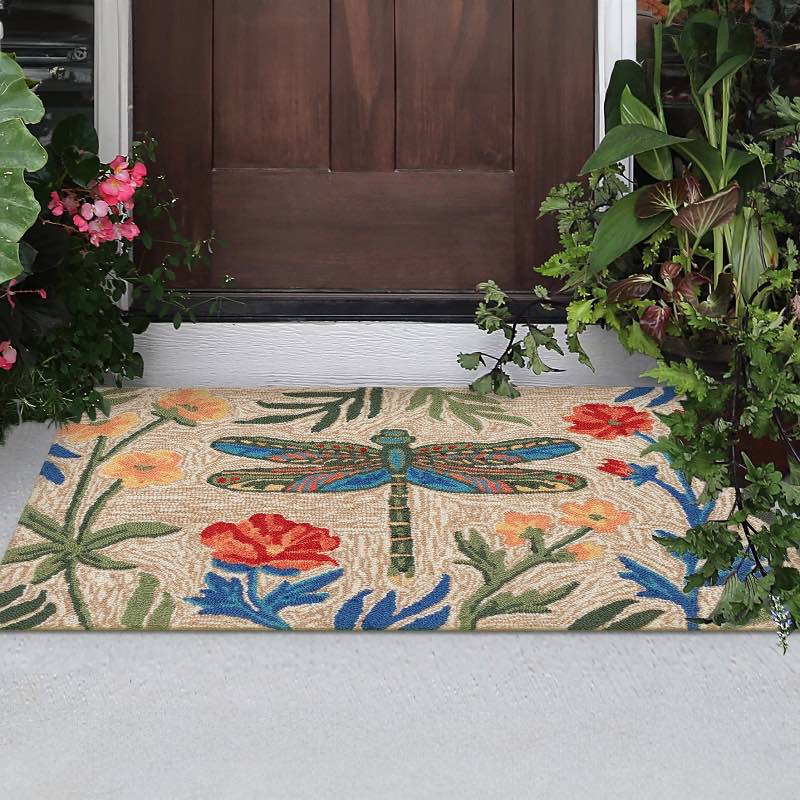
(16, 99)
(18, 211)
(19, 148)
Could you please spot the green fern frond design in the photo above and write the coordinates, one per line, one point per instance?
(464, 406)
(328, 406)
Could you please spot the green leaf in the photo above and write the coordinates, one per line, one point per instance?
(620, 229)
(633, 111)
(18, 211)
(105, 537)
(634, 339)
(75, 131)
(18, 148)
(16, 98)
(41, 524)
(685, 378)
(625, 75)
(15, 612)
(627, 140)
(162, 614)
(636, 621)
(99, 561)
(28, 552)
(490, 563)
(470, 360)
(140, 602)
(732, 54)
(81, 167)
(10, 595)
(48, 567)
(598, 617)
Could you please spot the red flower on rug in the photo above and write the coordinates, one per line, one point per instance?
(613, 466)
(270, 540)
(608, 422)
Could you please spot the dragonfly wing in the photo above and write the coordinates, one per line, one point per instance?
(348, 455)
(506, 481)
(287, 479)
(493, 454)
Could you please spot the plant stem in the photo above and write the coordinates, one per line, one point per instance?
(96, 507)
(76, 596)
(135, 435)
(470, 612)
(739, 374)
(83, 482)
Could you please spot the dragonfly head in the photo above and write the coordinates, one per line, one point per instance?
(393, 436)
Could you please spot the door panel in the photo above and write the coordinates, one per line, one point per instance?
(362, 85)
(454, 84)
(375, 145)
(271, 83)
(364, 219)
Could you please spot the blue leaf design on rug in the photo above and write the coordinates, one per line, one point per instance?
(384, 614)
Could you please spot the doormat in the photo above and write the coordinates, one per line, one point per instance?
(358, 509)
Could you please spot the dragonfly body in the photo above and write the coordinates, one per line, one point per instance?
(458, 467)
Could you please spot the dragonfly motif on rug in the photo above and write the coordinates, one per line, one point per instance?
(338, 466)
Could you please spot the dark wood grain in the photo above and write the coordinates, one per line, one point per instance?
(554, 73)
(362, 85)
(271, 83)
(364, 230)
(454, 84)
(172, 90)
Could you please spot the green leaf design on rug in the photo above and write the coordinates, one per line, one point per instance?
(608, 616)
(489, 600)
(328, 406)
(17, 614)
(140, 614)
(464, 406)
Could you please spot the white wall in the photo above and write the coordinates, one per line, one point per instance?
(356, 353)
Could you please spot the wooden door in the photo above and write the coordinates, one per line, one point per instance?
(367, 145)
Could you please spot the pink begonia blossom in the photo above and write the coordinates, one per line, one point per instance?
(8, 356)
(128, 230)
(138, 174)
(97, 209)
(55, 205)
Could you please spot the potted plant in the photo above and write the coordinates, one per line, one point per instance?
(695, 262)
(66, 261)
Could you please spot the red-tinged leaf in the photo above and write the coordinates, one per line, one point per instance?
(660, 197)
(654, 322)
(633, 288)
(694, 193)
(687, 288)
(719, 209)
(670, 270)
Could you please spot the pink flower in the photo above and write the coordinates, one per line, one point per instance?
(128, 230)
(55, 205)
(101, 231)
(80, 223)
(97, 209)
(116, 188)
(8, 356)
(138, 174)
